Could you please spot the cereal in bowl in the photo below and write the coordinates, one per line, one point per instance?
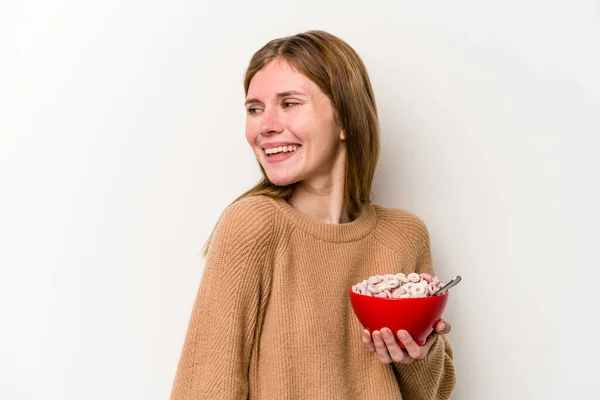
(398, 286)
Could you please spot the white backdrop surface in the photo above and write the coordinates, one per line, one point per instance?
(122, 140)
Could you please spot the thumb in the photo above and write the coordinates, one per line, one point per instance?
(442, 327)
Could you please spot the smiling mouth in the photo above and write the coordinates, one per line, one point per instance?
(280, 150)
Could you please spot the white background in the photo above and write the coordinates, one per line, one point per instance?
(122, 140)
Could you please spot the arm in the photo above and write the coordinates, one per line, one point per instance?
(226, 316)
(433, 377)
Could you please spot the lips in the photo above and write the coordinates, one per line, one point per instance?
(279, 157)
(278, 144)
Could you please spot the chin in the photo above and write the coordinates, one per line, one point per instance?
(281, 180)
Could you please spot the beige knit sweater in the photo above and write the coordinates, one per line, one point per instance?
(273, 321)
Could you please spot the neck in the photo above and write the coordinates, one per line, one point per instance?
(327, 206)
(323, 199)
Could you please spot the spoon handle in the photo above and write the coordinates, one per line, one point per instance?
(447, 286)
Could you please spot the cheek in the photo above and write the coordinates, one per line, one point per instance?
(298, 124)
(251, 132)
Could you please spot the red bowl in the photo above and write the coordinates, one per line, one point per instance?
(418, 316)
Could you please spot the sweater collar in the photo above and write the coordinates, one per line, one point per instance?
(346, 232)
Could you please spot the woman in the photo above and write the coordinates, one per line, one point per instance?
(272, 319)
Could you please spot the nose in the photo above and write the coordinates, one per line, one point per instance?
(270, 123)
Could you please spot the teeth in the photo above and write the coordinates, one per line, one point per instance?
(280, 149)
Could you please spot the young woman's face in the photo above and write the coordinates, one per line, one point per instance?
(290, 125)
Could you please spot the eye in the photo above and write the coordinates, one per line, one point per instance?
(289, 104)
(252, 110)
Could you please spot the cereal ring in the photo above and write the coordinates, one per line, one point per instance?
(419, 289)
(426, 277)
(393, 282)
(414, 277)
(380, 287)
(371, 289)
(401, 277)
(432, 287)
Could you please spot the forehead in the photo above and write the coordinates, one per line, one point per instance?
(279, 76)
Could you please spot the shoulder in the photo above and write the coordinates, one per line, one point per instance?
(247, 216)
(249, 208)
(399, 228)
(245, 222)
(399, 217)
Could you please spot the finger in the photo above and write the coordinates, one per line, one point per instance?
(430, 340)
(414, 350)
(366, 339)
(394, 350)
(443, 327)
(381, 348)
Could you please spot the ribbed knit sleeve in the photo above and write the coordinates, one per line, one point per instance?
(229, 307)
(432, 378)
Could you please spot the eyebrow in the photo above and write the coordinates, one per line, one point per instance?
(279, 96)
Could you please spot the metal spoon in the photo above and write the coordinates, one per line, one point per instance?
(447, 286)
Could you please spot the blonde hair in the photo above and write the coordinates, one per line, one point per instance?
(339, 72)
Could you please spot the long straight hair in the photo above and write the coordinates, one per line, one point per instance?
(341, 75)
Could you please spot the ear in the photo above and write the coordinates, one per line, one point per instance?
(342, 135)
